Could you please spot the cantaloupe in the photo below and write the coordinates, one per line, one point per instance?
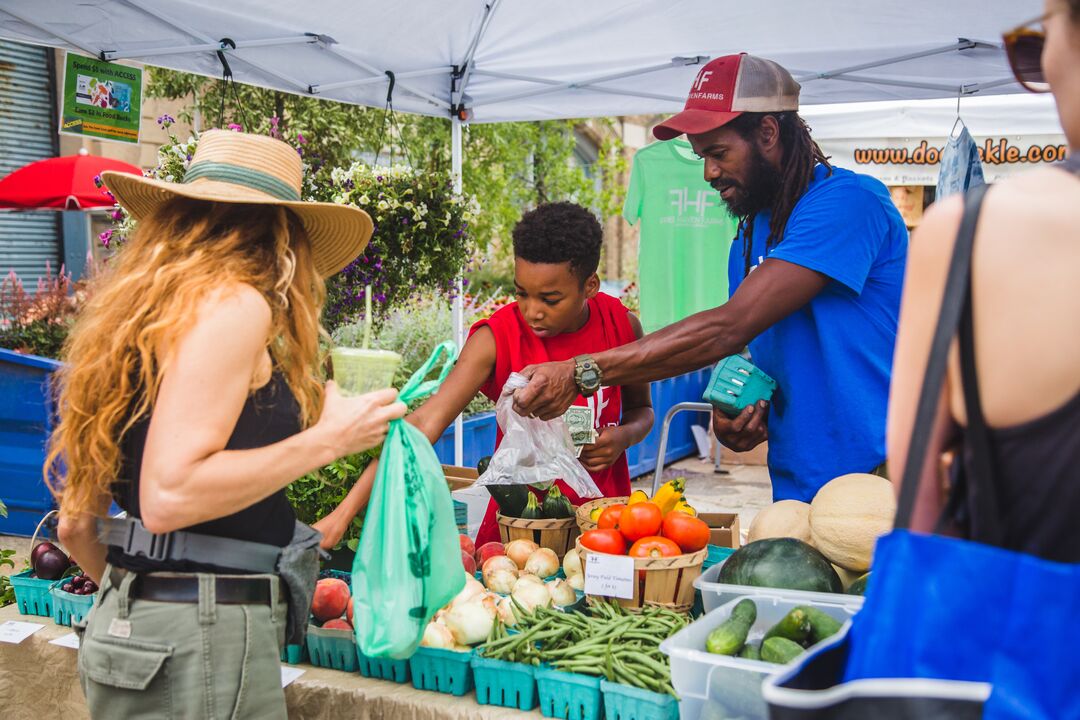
(848, 515)
(787, 518)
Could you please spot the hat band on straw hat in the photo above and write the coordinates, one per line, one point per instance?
(239, 175)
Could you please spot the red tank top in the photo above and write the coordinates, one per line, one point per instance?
(516, 346)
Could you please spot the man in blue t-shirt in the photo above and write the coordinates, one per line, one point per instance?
(815, 274)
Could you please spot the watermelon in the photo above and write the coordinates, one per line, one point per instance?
(781, 563)
(859, 586)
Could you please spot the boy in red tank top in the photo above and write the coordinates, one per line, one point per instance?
(560, 313)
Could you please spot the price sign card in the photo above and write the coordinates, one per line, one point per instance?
(610, 576)
(71, 640)
(289, 674)
(15, 632)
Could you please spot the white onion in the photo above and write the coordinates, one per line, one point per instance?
(561, 592)
(520, 550)
(471, 622)
(506, 611)
(577, 582)
(499, 561)
(473, 587)
(543, 563)
(437, 635)
(532, 595)
(571, 563)
(501, 581)
(525, 577)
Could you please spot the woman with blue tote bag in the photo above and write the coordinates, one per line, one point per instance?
(984, 626)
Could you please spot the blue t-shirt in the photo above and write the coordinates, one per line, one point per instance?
(831, 359)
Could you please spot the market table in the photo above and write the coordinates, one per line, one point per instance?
(39, 680)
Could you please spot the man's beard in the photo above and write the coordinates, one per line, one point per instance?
(757, 193)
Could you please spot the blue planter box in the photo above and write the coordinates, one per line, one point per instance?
(26, 420)
(479, 430)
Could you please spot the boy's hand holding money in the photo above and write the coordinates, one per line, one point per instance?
(602, 454)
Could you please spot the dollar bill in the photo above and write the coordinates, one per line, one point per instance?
(579, 421)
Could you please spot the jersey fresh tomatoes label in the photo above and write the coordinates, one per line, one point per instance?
(609, 576)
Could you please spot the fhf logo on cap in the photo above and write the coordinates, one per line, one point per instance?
(714, 83)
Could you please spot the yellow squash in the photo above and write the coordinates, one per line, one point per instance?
(638, 496)
(669, 494)
(684, 507)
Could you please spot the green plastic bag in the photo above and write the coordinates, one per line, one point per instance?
(408, 564)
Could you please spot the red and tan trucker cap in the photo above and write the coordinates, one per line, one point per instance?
(726, 88)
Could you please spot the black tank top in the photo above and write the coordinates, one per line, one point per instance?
(1034, 468)
(270, 415)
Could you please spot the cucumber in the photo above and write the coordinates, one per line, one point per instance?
(511, 499)
(532, 509)
(730, 636)
(822, 625)
(780, 650)
(794, 626)
(750, 652)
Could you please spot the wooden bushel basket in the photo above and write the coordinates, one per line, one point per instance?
(584, 522)
(668, 582)
(558, 534)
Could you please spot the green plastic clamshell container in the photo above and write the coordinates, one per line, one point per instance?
(736, 383)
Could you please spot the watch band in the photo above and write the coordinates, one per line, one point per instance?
(584, 367)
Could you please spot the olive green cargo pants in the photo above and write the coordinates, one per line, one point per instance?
(148, 659)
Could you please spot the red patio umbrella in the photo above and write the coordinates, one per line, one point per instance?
(60, 183)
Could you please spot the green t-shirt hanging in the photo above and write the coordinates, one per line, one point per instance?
(686, 233)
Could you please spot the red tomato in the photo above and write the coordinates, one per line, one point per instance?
(689, 533)
(609, 518)
(604, 541)
(640, 520)
(654, 546)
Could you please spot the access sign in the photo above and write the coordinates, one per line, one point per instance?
(101, 99)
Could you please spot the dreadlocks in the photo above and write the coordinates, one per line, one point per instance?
(800, 156)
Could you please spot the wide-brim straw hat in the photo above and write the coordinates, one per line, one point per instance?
(234, 167)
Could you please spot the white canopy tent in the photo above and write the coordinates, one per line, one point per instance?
(500, 60)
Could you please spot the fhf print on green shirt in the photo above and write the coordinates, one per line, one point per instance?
(686, 233)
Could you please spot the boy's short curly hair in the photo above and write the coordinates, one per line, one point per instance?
(557, 233)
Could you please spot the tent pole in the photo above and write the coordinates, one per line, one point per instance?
(459, 300)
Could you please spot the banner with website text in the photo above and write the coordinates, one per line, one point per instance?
(917, 161)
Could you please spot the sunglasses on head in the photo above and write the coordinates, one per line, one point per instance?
(1024, 46)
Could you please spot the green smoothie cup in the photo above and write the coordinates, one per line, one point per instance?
(358, 371)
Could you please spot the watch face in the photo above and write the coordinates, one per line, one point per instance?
(589, 378)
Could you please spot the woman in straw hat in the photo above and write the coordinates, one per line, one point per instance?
(191, 397)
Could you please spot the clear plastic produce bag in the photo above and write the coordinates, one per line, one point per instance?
(408, 564)
(534, 451)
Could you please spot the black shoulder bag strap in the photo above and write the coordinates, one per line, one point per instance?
(952, 303)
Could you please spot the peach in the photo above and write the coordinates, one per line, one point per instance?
(489, 550)
(467, 545)
(330, 600)
(349, 610)
(469, 562)
(337, 624)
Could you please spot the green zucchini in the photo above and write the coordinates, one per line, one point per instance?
(750, 652)
(794, 626)
(730, 636)
(532, 509)
(822, 625)
(511, 499)
(556, 505)
(780, 650)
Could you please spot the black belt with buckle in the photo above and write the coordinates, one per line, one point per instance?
(185, 588)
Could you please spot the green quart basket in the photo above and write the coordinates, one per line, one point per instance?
(569, 696)
(506, 684)
(68, 608)
(736, 383)
(445, 671)
(383, 668)
(332, 648)
(622, 702)
(32, 595)
(293, 654)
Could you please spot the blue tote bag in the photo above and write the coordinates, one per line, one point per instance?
(951, 628)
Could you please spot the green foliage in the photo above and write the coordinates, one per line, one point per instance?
(7, 591)
(314, 495)
(422, 238)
